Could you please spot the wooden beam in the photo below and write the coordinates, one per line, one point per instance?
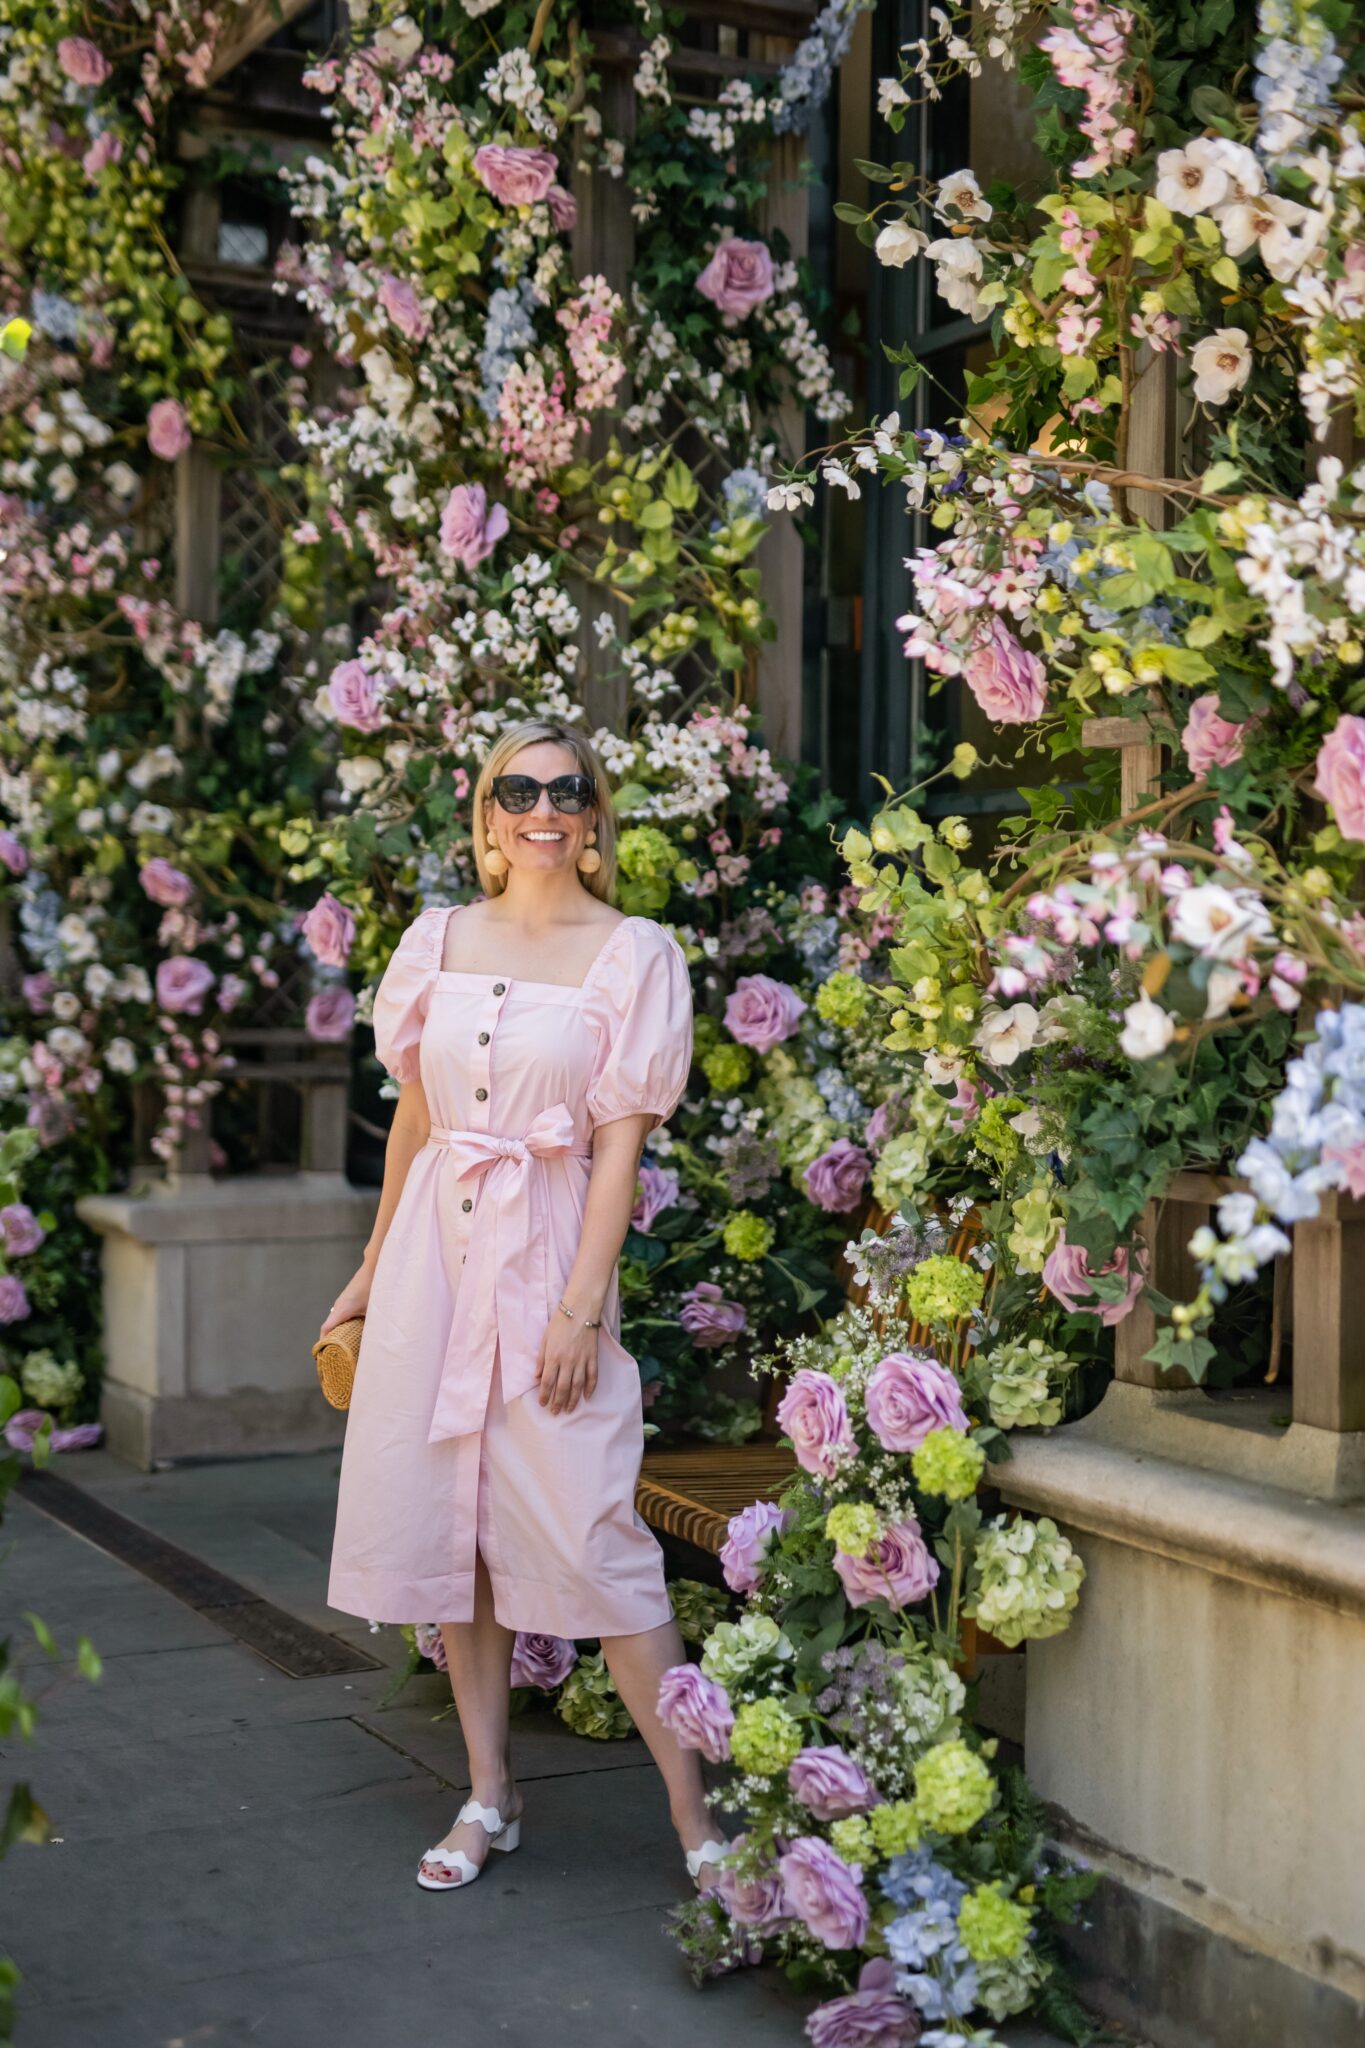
(255, 24)
(615, 52)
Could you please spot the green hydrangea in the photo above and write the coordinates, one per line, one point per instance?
(992, 1132)
(993, 1928)
(954, 1788)
(1036, 1224)
(765, 1738)
(48, 1383)
(1023, 1387)
(798, 1121)
(747, 1236)
(930, 1696)
(943, 1289)
(1026, 1580)
(1007, 1985)
(948, 1463)
(728, 1068)
(705, 1034)
(590, 1703)
(851, 1839)
(643, 853)
(843, 999)
(697, 1608)
(736, 1648)
(853, 1527)
(895, 1826)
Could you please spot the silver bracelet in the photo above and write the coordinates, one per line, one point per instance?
(573, 1318)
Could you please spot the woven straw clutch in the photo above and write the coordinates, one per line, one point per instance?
(336, 1356)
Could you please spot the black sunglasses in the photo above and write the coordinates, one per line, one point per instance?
(522, 792)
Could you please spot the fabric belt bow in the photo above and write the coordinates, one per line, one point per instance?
(503, 1295)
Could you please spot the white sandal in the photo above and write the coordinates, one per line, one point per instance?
(709, 1852)
(505, 1834)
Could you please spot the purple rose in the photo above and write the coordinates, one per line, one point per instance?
(165, 884)
(356, 697)
(835, 1180)
(1210, 741)
(542, 1660)
(825, 1892)
(813, 1414)
(738, 277)
(83, 61)
(106, 149)
(330, 1015)
(400, 301)
(708, 1318)
(761, 1012)
(329, 930)
(908, 1395)
(431, 1644)
(1008, 682)
(22, 1231)
(756, 1901)
(81, 1436)
(13, 1299)
(748, 1536)
(168, 429)
(1067, 1277)
(870, 2017)
(696, 1711)
(22, 1427)
(830, 1783)
(13, 853)
(1340, 779)
(897, 1569)
(658, 1191)
(515, 177)
(182, 983)
(563, 209)
(36, 990)
(469, 530)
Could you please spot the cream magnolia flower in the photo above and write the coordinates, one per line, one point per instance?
(1197, 178)
(1284, 231)
(1221, 364)
(943, 1067)
(1147, 1029)
(898, 242)
(1004, 1034)
(1219, 923)
(959, 274)
(962, 192)
(121, 479)
(399, 41)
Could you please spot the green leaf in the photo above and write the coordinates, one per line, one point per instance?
(1226, 273)
(42, 1635)
(89, 1661)
(843, 210)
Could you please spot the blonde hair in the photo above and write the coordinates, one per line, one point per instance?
(588, 762)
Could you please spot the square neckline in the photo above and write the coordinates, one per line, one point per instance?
(572, 988)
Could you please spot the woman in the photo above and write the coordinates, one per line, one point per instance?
(494, 1435)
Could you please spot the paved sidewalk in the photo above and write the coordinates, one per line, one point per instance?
(234, 1849)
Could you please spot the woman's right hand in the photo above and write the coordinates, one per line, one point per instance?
(353, 1300)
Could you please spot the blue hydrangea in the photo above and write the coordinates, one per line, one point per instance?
(59, 318)
(744, 494)
(509, 330)
(1297, 67)
(803, 86)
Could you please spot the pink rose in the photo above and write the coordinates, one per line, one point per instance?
(708, 1318)
(747, 1537)
(330, 1015)
(898, 1568)
(21, 1230)
(431, 1644)
(469, 530)
(761, 1012)
(738, 277)
(168, 429)
(36, 990)
(870, 2017)
(83, 61)
(658, 1191)
(909, 1394)
(329, 929)
(182, 983)
(835, 1180)
(696, 1711)
(830, 1784)
(824, 1892)
(1067, 1277)
(1008, 682)
(13, 1299)
(356, 697)
(541, 1660)
(13, 853)
(400, 301)
(165, 884)
(756, 1901)
(106, 149)
(515, 177)
(1341, 775)
(813, 1415)
(563, 209)
(1351, 1160)
(1210, 741)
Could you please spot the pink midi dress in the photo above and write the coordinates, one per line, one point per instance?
(448, 1448)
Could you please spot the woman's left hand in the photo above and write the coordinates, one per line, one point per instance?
(567, 1367)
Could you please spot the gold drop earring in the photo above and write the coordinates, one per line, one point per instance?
(494, 859)
(589, 861)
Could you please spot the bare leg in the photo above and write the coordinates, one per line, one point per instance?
(479, 1654)
(637, 1663)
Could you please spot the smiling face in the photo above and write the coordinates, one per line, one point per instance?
(542, 839)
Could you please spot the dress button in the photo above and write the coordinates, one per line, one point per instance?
(467, 1203)
(499, 988)
(483, 1038)
(481, 1095)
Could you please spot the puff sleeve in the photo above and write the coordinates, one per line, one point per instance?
(400, 1001)
(643, 1004)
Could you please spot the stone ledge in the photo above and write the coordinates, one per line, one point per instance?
(298, 1207)
(1235, 1528)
